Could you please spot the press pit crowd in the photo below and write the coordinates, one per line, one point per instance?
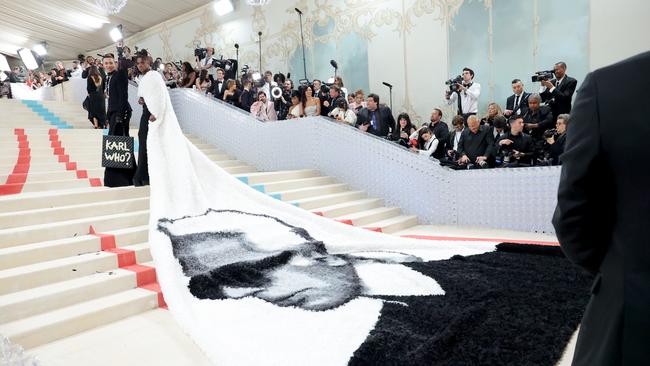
(529, 129)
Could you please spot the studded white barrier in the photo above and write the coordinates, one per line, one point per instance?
(518, 199)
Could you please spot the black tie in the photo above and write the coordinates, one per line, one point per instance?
(516, 103)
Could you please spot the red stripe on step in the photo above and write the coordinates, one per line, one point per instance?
(59, 150)
(345, 221)
(155, 287)
(53, 131)
(125, 257)
(495, 240)
(23, 144)
(145, 276)
(377, 229)
(16, 180)
(107, 240)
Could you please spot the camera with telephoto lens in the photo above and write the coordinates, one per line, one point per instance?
(550, 133)
(543, 75)
(201, 53)
(452, 83)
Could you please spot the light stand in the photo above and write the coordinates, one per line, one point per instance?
(302, 40)
(237, 57)
(390, 92)
(260, 43)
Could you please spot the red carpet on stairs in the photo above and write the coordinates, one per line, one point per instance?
(16, 180)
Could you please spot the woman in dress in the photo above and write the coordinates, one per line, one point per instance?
(310, 104)
(96, 101)
(203, 83)
(231, 94)
(295, 110)
(189, 76)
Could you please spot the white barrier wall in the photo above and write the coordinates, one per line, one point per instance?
(518, 199)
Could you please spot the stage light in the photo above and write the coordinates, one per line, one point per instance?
(40, 49)
(4, 64)
(223, 7)
(257, 76)
(28, 58)
(116, 33)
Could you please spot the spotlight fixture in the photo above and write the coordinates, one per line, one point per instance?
(28, 58)
(223, 7)
(116, 33)
(257, 76)
(40, 49)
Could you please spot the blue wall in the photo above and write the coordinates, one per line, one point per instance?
(563, 35)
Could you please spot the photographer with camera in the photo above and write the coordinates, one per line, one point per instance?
(375, 119)
(476, 145)
(204, 60)
(558, 93)
(465, 92)
(556, 139)
(333, 100)
(516, 148)
(538, 118)
(263, 109)
(517, 103)
(458, 123)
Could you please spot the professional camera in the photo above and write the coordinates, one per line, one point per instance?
(229, 67)
(543, 75)
(550, 133)
(201, 53)
(452, 83)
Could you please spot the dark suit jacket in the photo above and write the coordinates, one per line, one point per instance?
(603, 212)
(385, 120)
(218, 92)
(543, 117)
(560, 99)
(479, 144)
(523, 103)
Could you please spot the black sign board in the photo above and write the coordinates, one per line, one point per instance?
(117, 152)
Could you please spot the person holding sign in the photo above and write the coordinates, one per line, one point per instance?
(119, 114)
(141, 178)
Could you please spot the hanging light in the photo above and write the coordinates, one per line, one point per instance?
(40, 49)
(223, 7)
(111, 6)
(116, 33)
(28, 58)
(257, 2)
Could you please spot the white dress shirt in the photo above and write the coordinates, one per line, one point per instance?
(468, 98)
(457, 139)
(208, 61)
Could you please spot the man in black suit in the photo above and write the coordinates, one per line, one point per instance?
(441, 131)
(538, 118)
(557, 142)
(476, 145)
(558, 92)
(219, 85)
(603, 212)
(330, 103)
(375, 119)
(515, 146)
(517, 103)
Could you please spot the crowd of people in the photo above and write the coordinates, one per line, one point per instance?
(529, 130)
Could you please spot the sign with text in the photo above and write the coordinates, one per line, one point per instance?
(117, 152)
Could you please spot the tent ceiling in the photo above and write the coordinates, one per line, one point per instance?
(71, 27)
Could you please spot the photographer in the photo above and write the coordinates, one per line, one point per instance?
(333, 100)
(476, 145)
(465, 94)
(343, 114)
(558, 92)
(454, 137)
(556, 142)
(517, 103)
(515, 148)
(538, 118)
(206, 63)
(375, 119)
